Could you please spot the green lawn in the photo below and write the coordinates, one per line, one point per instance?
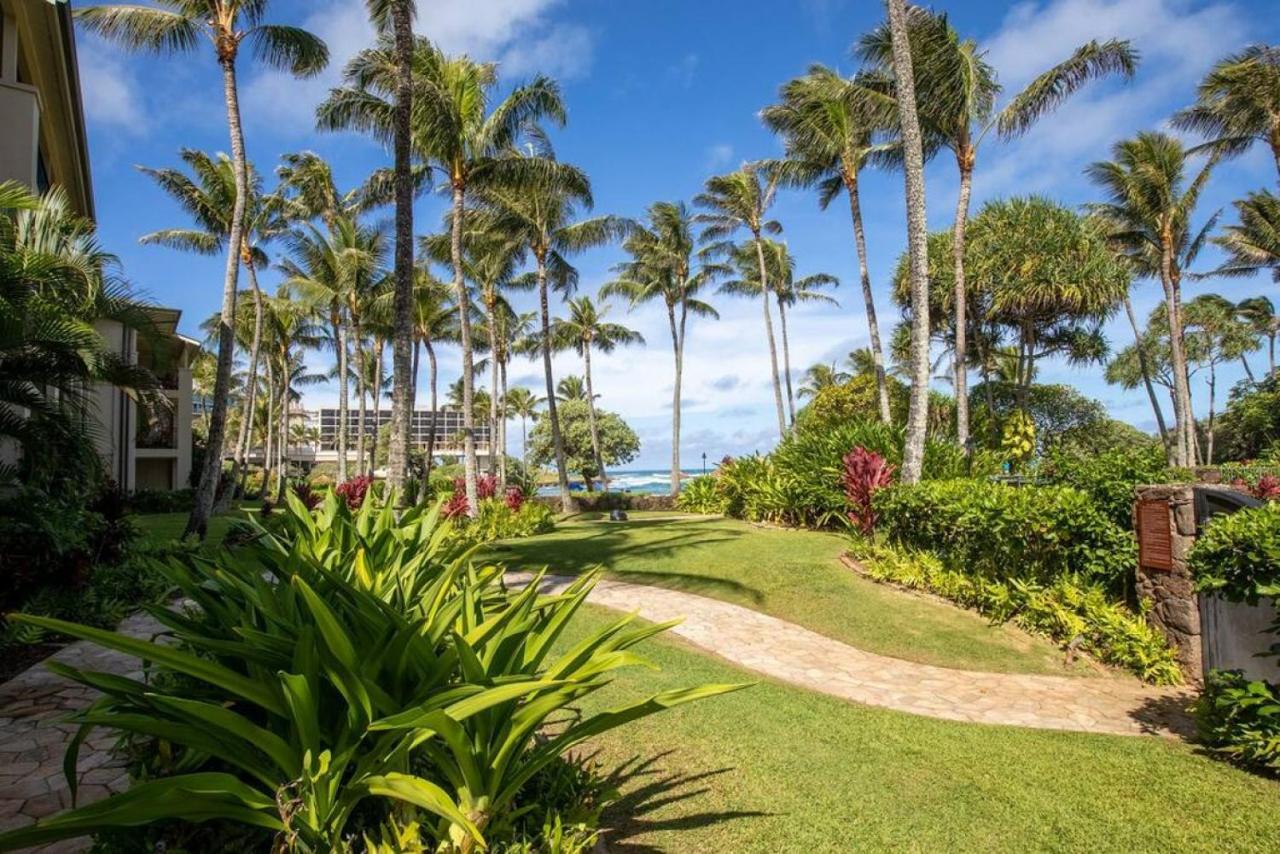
(159, 528)
(794, 575)
(775, 768)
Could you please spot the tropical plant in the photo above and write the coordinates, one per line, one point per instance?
(818, 377)
(523, 404)
(179, 26)
(1260, 315)
(663, 267)
(1110, 478)
(1240, 718)
(1238, 103)
(586, 329)
(1254, 244)
(618, 442)
(1216, 334)
(702, 495)
(865, 474)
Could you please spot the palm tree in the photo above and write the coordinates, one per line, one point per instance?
(735, 201)
(917, 239)
(1254, 244)
(787, 290)
(176, 26)
(1238, 103)
(583, 330)
(662, 267)
(1149, 216)
(523, 404)
(571, 387)
(828, 126)
(957, 91)
(435, 322)
(819, 377)
(208, 197)
(461, 137)
(1260, 313)
(543, 218)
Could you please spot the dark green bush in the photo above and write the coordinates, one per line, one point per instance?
(1110, 477)
(1004, 532)
(1238, 555)
(1240, 718)
(162, 501)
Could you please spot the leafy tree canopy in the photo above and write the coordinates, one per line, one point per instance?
(619, 444)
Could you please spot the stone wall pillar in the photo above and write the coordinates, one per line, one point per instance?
(1165, 521)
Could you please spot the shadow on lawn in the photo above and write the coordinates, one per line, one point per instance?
(575, 548)
(631, 816)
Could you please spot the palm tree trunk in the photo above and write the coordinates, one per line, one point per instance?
(464, 328)
(917, 234)
(864, 274)
(502, 427)
(402, 338)
(1145, 368)
(362, 386)
(491, 319)
(591, 418)
(675, 402)
(283, 476)
(432, 375)
(344, 405)
(557, 440)
(377, 403)
(206, 491)
(269, 446)
(961, 368)
(786, 361)
(1248, 371)
(1181, 385)
(768, 329)
(524, 440)
(251, 386)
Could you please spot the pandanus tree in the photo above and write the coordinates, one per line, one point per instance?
(178, 27)
(957, 92)
(464, 138)
(1148, 215)
(829, 125)
(664, 266)
(543, 218)
(733, 202)
(208, 196)
(788, 291)
(1238, 103)
(584, 330)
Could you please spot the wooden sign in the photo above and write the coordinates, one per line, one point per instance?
(1155, 539)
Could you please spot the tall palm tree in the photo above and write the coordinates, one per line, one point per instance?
(463, 137)
(435, 322)
(208, 196)
(543, 218)
(523, 404)
(740, 200)
(663, 267)
(957, 92)
(1238, 103)
(586, 329)
(1254, 244)
(1260, 313)
(1149, 213)
(904, 91)
(571, 387)
(310, 191)
(178, 26)
(828, 126)
(819, 377)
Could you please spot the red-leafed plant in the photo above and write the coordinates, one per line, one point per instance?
(457, 506)
(514, 498)
(353, 491)
(486, 487)
(865, 473)
(1267, 488)
(308, 496)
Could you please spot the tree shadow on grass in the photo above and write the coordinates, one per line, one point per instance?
(648, 788)
(1167, 714)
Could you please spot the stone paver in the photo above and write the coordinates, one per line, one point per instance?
(793, 654)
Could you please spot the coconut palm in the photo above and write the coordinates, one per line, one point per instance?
(435, 322)
(740, 200)
(1260, 314)
(1238, 103)
(583, 330)
(179, 26)
(828, 126)
(819, 377)
(311, 192)
(571, 387)
(523, 404)
(463, 137)
(543, 218)
(957, 92)
(787, 291)
(904, 93)
(1149, 211)
(208, 196)
(1254, 244)
(663, 267)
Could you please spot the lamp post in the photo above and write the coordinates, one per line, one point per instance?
(704, 463)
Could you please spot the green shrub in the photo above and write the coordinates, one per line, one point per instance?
(1110, 478)
(495, 520)
(1238, 554)
(702, 495)
(1075, 614)
(162, 501)
(343, 670)
(1004, 532)
(1240, 718)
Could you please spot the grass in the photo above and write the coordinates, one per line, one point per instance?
(779, 769)
(794, 575)
(159, 528)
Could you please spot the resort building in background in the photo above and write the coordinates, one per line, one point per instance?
(446, 423)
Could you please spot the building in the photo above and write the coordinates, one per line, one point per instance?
(447, 424)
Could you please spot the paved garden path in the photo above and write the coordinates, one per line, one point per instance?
(793, 654)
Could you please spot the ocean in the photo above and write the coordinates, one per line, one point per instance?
(641, 482)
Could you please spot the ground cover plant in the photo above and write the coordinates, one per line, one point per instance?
(339, 663)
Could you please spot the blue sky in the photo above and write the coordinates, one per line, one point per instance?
(661, 95)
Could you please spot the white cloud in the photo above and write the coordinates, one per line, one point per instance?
(110, 90)
(719, 156)
(518, 34)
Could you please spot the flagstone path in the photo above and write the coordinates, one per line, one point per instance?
(33, 737)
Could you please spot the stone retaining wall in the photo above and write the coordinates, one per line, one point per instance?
(1164, 580)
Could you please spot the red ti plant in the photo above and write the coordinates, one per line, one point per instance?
(515, 498)
(1267, 488)
(457, 506)
(353, 491)
(865, 473)
(308, 496)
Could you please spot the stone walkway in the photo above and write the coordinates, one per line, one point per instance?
(792, 654)
(33, 737)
